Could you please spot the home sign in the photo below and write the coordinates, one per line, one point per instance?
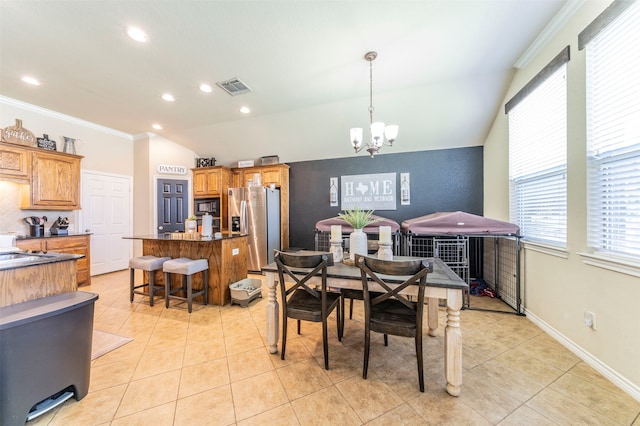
(368, 192)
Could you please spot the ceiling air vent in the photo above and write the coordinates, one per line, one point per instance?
(234, 87)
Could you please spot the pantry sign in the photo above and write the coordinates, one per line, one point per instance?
(168, 169)
(368, 192)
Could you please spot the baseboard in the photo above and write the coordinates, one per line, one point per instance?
(602, 368)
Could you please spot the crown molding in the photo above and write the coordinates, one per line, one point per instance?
(53, 114)
(559, 21)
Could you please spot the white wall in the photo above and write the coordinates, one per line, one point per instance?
(104, 150)
(560, 288)
(151, 150)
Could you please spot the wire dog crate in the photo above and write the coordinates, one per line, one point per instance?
(474, 247)
(453, 251)
(501, 266)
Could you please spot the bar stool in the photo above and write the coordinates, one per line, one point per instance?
(186, 267)
(149, 264)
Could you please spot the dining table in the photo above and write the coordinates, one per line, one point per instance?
(442, 284)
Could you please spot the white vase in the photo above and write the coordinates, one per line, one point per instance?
(190, 226)
(357, 243)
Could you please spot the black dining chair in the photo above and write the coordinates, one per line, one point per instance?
(301, 300)
(389, 312)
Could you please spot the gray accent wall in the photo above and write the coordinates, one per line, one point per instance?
(441, 180)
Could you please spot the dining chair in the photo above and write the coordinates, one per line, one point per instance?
(301, 300)
(388, 311)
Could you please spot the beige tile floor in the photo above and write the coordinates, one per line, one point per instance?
(212, 368)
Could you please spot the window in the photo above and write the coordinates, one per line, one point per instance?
(538, 155)
(613, 131)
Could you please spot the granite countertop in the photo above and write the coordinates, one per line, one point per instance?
(49, 235)
(182, 236)
(24, 258)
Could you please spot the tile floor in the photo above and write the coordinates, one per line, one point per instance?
(212, 368)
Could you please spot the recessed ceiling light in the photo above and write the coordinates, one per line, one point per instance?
(137, 34)
(205, 88)
(168, 97)
(245, 110)
(157, 126)
(30, 80)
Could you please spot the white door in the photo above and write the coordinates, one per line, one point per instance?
(106, 214)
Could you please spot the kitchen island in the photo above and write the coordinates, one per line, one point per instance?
(31, 275)
(227, 257)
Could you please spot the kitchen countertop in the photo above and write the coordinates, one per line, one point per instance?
(41, 258)
(49, 235)
(182, 236)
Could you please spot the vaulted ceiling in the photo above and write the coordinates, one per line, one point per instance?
(441, 73)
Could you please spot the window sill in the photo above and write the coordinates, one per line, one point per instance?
(546, 249)
(610, 263)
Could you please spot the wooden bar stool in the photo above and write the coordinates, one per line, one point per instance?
(186, 267)
(149, 264)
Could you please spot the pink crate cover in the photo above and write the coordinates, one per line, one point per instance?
(458, 223)
(325, 225)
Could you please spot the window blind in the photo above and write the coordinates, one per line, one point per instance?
(613, 137)
(538, 161)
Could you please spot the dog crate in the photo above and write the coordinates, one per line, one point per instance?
(323, 234)
(474, 247)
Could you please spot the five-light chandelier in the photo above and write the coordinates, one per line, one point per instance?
(378, 130)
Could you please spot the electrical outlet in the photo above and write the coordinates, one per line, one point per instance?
(590, 319)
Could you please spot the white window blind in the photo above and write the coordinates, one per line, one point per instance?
(538, 161)
(613, 137)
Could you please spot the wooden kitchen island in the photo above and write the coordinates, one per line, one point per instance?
(227, 257)
(40, 275)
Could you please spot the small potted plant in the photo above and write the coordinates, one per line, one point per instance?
(358, 219)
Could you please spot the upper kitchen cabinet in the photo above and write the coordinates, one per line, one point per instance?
(277, 174)
(210, 181)
(54, 182)
(14, 163)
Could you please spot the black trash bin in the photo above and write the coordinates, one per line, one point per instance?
(45, 351)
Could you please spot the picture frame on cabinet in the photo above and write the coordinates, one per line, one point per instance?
(45, 143)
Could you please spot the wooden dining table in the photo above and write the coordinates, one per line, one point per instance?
(442, 283)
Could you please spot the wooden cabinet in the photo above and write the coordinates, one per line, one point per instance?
(15, 163)
(210, 181)
(213, 182)
(73, 244)
(55, 182)
(31, 282)
(277, 174)
(53, 177)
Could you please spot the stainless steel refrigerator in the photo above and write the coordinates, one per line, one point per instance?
(255, 211)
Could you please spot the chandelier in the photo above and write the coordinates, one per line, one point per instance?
(378, 130)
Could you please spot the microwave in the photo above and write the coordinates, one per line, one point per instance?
(207, 205)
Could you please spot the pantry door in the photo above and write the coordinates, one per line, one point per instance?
(173, 204)
(106, 214)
